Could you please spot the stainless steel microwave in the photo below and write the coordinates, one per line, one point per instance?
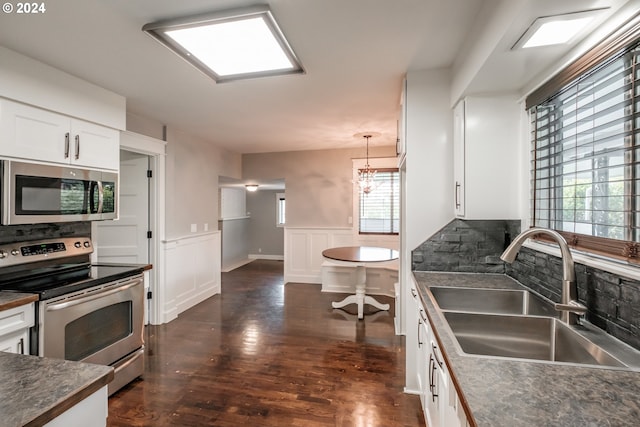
(35, 193)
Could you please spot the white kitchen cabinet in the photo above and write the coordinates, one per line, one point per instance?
(14, 328)
(91, 411)
(439, 398)
(422, 371)
(34, 134)
(16, 342)
(486, 137)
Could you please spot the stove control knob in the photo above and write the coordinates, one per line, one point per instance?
(77, 244)
(3, 254)
(15, 252)
(87, 244)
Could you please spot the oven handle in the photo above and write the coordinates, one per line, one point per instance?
(83, 298)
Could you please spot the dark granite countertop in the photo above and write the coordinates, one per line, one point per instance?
(15, 299)
(35, 390)
(511, 393)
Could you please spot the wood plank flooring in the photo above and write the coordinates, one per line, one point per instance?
(267, 354)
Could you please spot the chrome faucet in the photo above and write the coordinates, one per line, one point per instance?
(569, 307)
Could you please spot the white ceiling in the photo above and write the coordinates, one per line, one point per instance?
(355, 53)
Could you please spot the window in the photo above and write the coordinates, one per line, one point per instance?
(586, 158)
(280, 209)
(380, 209)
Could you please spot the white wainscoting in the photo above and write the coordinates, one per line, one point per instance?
(303, 249)
(192, 272)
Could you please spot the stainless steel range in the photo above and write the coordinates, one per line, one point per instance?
(89, 313)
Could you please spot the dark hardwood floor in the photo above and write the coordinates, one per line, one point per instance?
(267, 354)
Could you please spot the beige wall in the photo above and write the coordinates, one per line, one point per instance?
(318, 183)
(192, 169)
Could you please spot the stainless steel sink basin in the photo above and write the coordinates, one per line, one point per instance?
(497, 301)
(525, 337)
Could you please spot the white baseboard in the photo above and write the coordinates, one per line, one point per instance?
(236, 264)
(263, 256)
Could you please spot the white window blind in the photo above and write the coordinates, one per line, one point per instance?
(380, 209)
(585, 154)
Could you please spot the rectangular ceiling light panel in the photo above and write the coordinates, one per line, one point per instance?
(557, 29)
(233, 45)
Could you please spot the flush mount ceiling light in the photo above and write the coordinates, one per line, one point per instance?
(251, 187)
(557, 29)
(231, 45)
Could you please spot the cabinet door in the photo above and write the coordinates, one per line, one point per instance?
(423, 355)
(434, 394)
(94, 145)
(459, 157)
(31, 133)
(16, 342)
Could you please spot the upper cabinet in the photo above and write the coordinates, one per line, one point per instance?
(486, 140)
(35, 134)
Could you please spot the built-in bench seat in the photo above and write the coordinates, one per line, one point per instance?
(341, 278)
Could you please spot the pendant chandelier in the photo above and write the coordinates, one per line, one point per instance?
(366, 176)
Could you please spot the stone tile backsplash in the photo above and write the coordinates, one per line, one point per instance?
(466, 246)
(21, 233)
(613, 302)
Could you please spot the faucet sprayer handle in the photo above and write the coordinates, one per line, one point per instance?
(572, 307)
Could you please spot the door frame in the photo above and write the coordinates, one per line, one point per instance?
(156, 150)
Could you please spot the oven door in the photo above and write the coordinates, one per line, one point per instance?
(99, 325)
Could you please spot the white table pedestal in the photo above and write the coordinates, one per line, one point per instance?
(360, 298)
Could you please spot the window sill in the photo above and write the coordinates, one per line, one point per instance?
(609, 265)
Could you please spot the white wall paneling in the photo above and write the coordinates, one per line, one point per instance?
(303, 251)
(191, 271)
(303, 260)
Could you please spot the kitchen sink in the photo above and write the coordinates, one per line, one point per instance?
(526, 337)
(495, 301)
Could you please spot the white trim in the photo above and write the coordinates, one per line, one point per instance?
(235, 265)
(142, 144)
(156, 150)
(190, 236)
(280, 196)
(234, 218)
(288, 227)
(620, 268)
(262, 256)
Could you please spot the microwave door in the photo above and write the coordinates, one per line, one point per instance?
(109, 196)
(95, 197)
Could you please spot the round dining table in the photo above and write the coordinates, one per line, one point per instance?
(360, 257)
